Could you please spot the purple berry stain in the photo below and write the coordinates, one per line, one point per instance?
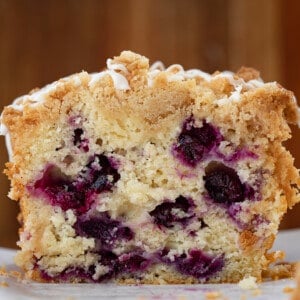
(99, 175)
(194, 143)
(223, 184)
(169, 213)
(104, 229)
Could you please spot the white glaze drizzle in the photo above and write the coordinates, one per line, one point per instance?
(177, 73)
(158, 65)
(120, 82)
(115, 67)
(4, 131)
(95, 77)
(8, 146)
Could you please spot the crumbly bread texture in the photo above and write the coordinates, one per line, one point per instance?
(150, 175)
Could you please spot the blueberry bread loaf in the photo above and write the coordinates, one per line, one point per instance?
(150, 175)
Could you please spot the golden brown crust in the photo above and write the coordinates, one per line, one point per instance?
(248, 240)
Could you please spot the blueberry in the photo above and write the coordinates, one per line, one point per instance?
(78, 132)
(169, 213)
(132, 262)
(190, 149)
(99, 183)
(224, 185)
(104, 229)
(80, 142)
(193, 143)
(108, 258)
(99, 175)
(198, 264)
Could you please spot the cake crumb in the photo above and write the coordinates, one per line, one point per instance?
(3, 284)
(212, 295)
(288, 289)
(3, 271)
(256, 292)
(275, 256)
(15, 274)
(12, 274)
(280, 270)
(248, 283)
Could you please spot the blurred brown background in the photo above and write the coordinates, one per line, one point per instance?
(41, 41)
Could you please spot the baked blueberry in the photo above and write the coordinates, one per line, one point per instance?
(223, 184)
(169, 213)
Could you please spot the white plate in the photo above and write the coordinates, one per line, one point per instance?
(288, 240)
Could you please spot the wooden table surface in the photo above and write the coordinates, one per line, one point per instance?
(41, 41)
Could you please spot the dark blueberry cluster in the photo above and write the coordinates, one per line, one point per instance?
(223, 184)
(193, 143)
(79, 141)
(132, 262)
(59, 189)
(169, 213)
(104, 229)
(197, 263)
(97, 176)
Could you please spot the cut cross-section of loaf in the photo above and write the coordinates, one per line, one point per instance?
(150, 175)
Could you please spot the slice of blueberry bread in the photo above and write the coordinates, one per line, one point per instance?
(150, 175)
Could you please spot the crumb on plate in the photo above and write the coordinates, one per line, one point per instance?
(15, 274)
(256, 292)
(213, 295)
(288, 289)
(248, 283)
(3, 284)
